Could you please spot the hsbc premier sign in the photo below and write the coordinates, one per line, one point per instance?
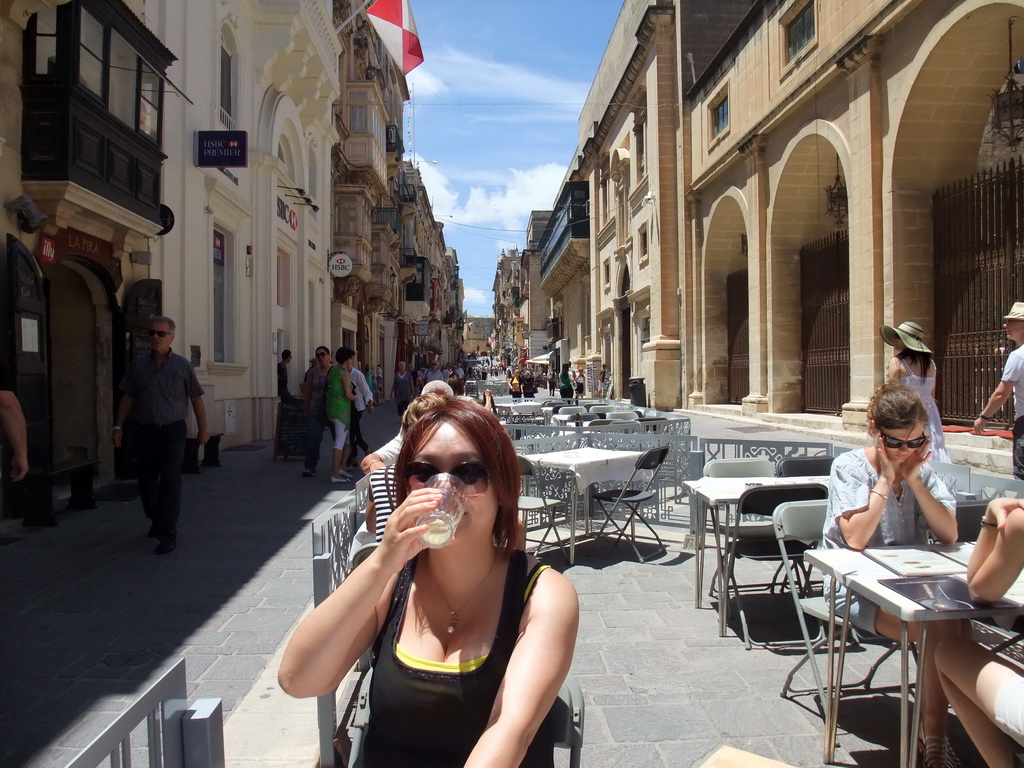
(222, 149)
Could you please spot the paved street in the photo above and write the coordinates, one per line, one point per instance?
(91, 613)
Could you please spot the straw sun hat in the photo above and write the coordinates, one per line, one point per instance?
(909, 333)
(1016, 311)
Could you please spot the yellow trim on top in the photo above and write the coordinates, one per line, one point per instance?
(533, 580)
(438, 666)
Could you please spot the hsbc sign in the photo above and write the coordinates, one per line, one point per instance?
(222, 149)
(286, 214)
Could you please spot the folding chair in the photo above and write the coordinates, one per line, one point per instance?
(805, 466)
(538, 512)
(633, 499)
(803, 522)
(968, 519)
(566, 719)
(623, 415)
(739, 468)
(753, 536)
(602, 408)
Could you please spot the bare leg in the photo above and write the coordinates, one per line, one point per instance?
(971, 676)
(934, 706)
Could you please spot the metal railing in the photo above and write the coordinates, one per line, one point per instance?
(178, 736)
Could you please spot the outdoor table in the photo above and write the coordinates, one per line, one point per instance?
(560, 419)
(589, 465)
(860, 573)
(709, 495)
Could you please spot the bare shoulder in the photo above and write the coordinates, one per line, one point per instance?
(552, 589)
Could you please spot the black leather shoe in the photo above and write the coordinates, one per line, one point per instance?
(165, 547)
(152, 532)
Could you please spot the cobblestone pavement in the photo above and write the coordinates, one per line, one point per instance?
(88, 614)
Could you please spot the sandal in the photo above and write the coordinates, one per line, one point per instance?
(308, 473)
(935, 752)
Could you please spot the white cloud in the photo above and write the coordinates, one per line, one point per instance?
(475, 297)
(422, 82)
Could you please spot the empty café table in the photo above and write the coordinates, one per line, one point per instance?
(589, 465)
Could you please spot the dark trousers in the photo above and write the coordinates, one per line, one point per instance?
(401, 405)
(355, 433)
(315, 436)
(1018, 448)
(161, 451)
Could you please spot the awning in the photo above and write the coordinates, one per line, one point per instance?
(541, 360)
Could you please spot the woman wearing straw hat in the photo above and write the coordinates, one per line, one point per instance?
(912, 366)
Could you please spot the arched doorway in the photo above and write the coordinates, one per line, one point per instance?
(82, 353)
(809, 298)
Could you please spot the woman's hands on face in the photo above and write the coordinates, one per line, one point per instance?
(401, 540)
(915, 459)
(886, 467)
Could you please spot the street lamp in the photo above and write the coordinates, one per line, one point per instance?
(1008, 101)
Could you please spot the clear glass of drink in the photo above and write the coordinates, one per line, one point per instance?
(443, 521)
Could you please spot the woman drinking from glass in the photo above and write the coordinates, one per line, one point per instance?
(471, 641)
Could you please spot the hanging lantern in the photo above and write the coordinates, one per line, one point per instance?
(1008, 101)
(837, 205)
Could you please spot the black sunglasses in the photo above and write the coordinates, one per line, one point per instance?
(895, 443)
(473, 474)
(161, 334)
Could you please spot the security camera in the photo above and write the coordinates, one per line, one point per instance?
(30, 218)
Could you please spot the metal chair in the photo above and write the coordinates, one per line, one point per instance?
(968, 519)
(805, 466)
(753, 536)
(633, 499)
(538, 512)
(739, 468)
(623, 415)
(566, 719)
(603, 408)
(802, 522)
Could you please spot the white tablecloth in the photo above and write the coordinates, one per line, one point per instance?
(590, 465)
(525, 408)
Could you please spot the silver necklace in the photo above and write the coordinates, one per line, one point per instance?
(453, 613)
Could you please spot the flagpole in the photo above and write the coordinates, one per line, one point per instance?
(352, 18)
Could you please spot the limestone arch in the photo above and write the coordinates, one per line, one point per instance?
(796, 217)
(939, 114)
(725, 254)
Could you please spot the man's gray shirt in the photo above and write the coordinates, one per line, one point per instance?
(160, 395)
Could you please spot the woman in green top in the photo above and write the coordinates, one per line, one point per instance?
(565, 382)
(340, 394)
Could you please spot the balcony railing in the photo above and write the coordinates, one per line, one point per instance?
(407, 193)
(390, 217)
(393, 139)
(225, 119)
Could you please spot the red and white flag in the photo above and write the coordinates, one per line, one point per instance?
(394, 23)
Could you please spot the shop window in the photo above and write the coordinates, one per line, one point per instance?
(223, 285)
(799, 31)
(284, 278)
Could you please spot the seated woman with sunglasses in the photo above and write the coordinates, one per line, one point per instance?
(471, 642)
(986, 691)
(884, 495)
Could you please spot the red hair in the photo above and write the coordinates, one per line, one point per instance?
(496, 452)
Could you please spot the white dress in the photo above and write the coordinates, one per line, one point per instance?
(925, 385)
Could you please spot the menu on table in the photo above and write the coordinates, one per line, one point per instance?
(917, 561)
(939, 593)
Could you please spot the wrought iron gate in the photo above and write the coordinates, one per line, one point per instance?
(825, 326)
(738, 329)
(979, 274)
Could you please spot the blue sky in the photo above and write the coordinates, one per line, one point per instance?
(493, 120)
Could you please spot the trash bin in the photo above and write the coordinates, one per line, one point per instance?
(637, 391)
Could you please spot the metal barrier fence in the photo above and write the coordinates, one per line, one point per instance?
(178, 736)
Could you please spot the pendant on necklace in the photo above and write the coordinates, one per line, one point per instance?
(455, 620)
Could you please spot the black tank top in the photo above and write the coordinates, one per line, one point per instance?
(427, 719)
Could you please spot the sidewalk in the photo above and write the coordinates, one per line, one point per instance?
(89, 613)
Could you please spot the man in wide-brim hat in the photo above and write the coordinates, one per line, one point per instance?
(1012, 381)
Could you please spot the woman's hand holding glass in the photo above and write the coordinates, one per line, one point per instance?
(401, 540)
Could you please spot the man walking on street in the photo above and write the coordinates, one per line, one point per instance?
(401, 388)
(1012, 382)
(435, 374)
(363, 402)
(156, 391)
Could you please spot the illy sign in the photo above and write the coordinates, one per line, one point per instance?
(339, 264)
